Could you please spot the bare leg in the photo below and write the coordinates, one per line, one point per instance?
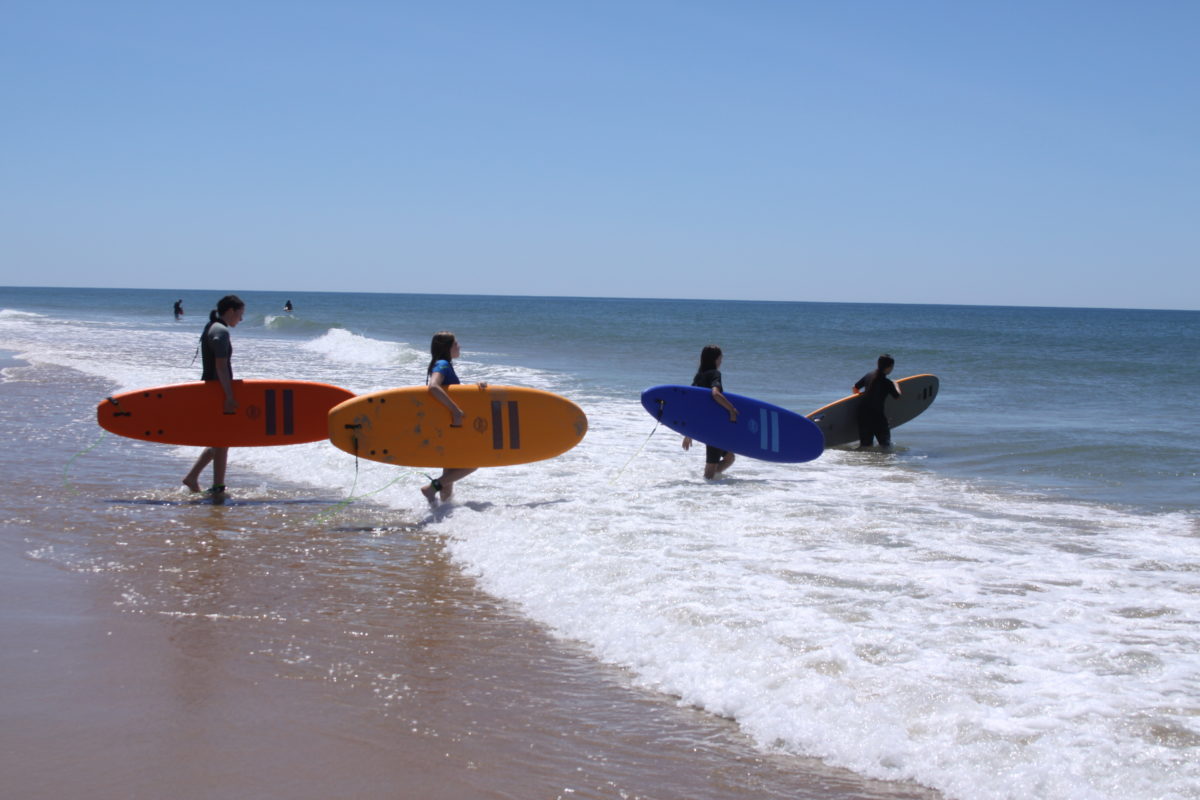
(218, 457)
(713, 470)
(220, 460)
(192, 479)
(444, 484)
(450, 477)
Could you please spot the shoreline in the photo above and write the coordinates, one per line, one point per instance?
(258, 649)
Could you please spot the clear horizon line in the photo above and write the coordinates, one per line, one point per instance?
(610, 297)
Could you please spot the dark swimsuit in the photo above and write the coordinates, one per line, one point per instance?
(707, 380)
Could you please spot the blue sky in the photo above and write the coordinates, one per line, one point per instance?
(1007, 153)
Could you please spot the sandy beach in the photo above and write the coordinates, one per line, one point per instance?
(280, 645)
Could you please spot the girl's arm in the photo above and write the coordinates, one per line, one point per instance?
(437, 390)
(724, 403)
(225, 376)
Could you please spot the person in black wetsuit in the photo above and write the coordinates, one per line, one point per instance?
(876, 388)
(708, 376)
(179, 308)
(216, 352)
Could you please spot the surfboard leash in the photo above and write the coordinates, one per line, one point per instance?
(343, 504)
(635, 455)
(67, 467)
(657, 421)
(350, 498)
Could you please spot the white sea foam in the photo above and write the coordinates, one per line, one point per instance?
(350, 348)
(130, 359)
(293, 325)
(885, 620)
(859, 608)
(12, 313)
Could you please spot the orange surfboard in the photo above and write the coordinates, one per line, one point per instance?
(268, 413)
(502, 425)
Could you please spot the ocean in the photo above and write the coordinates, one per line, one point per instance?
(1003, 606)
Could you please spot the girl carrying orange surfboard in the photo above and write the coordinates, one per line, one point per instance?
(216, 351)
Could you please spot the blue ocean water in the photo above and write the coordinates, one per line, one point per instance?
(1004, 606)
(1089, 403)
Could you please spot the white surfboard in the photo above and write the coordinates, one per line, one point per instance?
(839, 420)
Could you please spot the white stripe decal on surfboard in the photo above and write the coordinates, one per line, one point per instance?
(768, 430)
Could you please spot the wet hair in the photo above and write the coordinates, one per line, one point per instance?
(439, 349)
(881, 365)
(708, 358)
(224, 304)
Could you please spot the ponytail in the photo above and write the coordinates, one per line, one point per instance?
(224, 304)
(213, 316)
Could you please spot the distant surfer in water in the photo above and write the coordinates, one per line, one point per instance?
(216, 352)
(288, 306)
(708, 376)
(443, 350)
(876, 388)
(179, 308)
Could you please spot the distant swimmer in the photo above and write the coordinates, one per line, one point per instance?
(876, 388)
(708, 376)
(216, 352)
(287, 306)
(179, 308)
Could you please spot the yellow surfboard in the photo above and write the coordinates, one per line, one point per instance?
(502, 425)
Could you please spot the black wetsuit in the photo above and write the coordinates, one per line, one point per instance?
(707, 380)
(214, 344)
(872, 419)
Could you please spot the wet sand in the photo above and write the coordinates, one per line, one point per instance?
(282, 646)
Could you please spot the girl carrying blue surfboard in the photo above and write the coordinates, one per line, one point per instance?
(708, 376)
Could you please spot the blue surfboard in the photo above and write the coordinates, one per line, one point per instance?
(763, 431)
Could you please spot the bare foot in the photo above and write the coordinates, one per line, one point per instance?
(430, 493)
(193, 484)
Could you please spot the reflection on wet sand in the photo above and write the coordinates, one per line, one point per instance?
(266, 648)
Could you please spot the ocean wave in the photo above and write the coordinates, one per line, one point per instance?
(338, 344)
(12, 313)
(287, 323)
(863, 608)
(944, 641)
